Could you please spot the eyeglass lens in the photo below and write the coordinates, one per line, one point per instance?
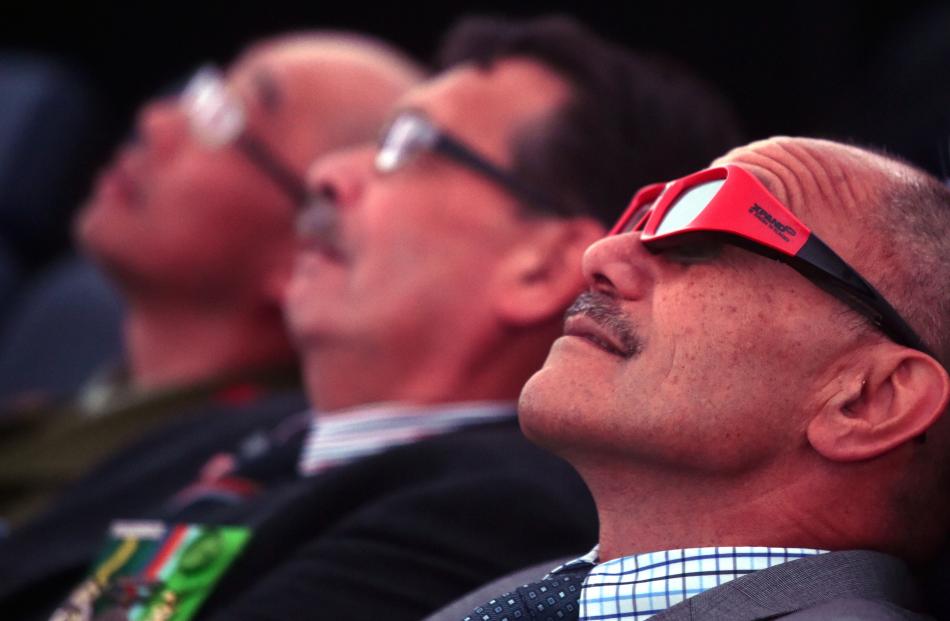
(216, 118)
(403, 139)
(688, 205)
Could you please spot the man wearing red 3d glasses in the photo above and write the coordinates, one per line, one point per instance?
(752, 388)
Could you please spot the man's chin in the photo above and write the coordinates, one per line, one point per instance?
(95, 225)
(92, 235)
(91, 239)
(112, 254)
(553, 406)
(536, 408)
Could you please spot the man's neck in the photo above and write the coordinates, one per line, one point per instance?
(683, 510)
(344, 378)
(176, 345)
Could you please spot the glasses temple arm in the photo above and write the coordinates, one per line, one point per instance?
(459, 152)
(823, 262)
(280, 173)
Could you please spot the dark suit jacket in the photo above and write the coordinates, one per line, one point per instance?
(852, 585)
(394, 535)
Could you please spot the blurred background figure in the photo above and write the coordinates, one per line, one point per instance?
(51, 130)
(192, 222)
(432, 273)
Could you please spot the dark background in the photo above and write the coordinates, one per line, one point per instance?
(875, 73)
(797, 67)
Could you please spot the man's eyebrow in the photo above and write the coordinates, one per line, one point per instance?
(267, 91)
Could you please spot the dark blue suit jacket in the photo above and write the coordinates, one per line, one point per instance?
(397, 534)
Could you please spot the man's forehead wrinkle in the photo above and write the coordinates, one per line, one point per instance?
(811, 177)
(822, 171)
(774, 173)
(836, 193)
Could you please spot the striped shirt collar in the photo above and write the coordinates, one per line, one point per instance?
(634, 588)
(338, 437)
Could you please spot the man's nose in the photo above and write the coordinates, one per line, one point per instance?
(341, 176)
(162, 124)
(619, 266)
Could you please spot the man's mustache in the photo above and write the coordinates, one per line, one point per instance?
(318, 224)
(606, 312)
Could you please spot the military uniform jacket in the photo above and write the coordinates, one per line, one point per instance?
(394, 535)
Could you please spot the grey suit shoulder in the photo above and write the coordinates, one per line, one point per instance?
(838, 586)
(855, 610)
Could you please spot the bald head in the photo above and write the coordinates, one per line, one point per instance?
(206, 230)
(336, 88)
(800, 171)
(888, 219)
(301, 96)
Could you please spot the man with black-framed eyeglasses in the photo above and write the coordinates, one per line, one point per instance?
(193, 221)
(755, 388)
(433, 270)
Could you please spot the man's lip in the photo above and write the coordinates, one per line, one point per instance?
(324, 248)
(582, 326)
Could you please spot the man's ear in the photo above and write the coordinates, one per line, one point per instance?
(895, 396)
(542, 275)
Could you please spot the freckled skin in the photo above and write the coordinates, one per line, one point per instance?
(705, 329)
(704, 431)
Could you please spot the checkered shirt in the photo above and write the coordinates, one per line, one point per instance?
(634, 588)
(340, 437)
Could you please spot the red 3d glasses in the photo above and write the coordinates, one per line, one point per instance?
(728, 204)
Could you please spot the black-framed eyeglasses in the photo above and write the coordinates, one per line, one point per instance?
(217, 118)
(412, 132)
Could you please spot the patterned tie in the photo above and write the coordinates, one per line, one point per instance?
(552, 599)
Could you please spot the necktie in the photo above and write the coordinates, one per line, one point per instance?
(552, 599)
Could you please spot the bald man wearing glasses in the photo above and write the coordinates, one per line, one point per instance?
(432, 272)
(193, 221)
(754, 388)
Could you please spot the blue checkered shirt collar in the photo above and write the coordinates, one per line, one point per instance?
(634, 588)
(336, 438)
